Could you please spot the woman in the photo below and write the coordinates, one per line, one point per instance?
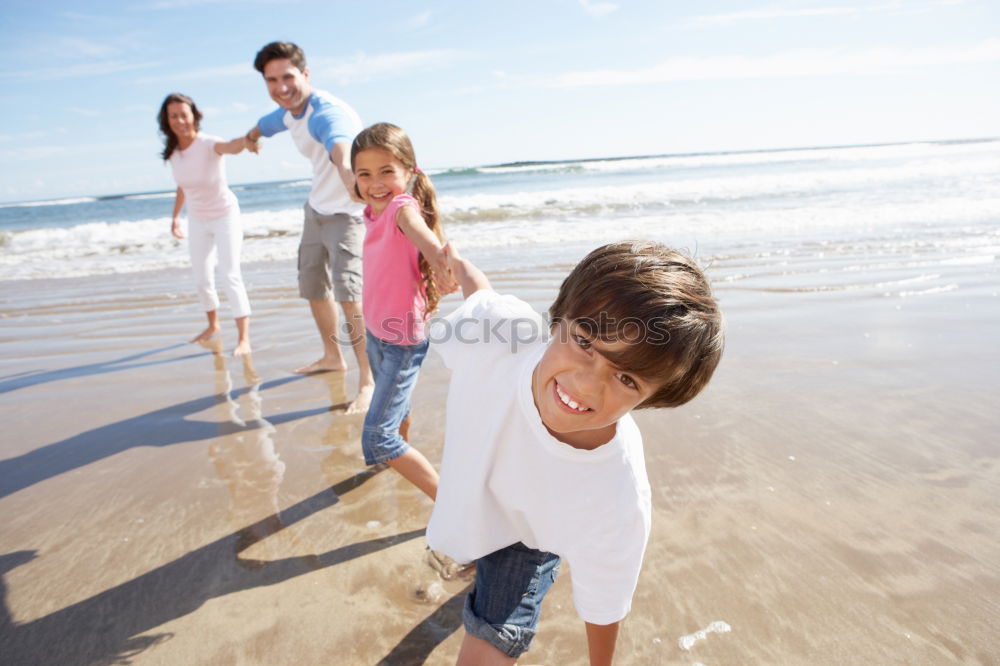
(213, 212)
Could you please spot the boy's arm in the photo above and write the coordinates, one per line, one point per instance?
(601, 639)
(470, 278)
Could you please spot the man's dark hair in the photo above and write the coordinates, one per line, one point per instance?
(280, 51)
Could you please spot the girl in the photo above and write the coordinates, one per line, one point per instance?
(405, 274)
(213, 212)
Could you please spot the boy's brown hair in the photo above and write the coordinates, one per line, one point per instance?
(658, 300)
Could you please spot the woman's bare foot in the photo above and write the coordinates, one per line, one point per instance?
(242, 348)
(207, 334)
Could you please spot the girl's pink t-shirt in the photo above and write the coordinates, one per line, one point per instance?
(199, 171)
(394, 302)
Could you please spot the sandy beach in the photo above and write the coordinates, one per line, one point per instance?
(832, 498)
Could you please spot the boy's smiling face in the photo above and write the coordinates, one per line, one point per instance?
(579, 394)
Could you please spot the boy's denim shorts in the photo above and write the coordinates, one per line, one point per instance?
(506, 601)
(395, 368)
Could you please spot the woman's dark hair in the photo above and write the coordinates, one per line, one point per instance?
(170, 139)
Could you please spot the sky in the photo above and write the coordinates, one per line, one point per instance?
(477, 83)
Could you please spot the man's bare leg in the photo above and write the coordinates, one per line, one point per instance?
(325, 315)
(356, 330)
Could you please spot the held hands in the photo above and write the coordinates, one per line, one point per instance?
(175, 228)
(251, 144)
(444, 278)
(452, 257)
(470, 278)
(353, 192)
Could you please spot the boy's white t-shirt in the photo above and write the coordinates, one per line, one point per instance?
(505, 478)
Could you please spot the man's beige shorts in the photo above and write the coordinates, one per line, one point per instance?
(330, 256)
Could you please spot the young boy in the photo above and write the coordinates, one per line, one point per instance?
(542, 461)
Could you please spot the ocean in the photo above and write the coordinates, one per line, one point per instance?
(896, 199)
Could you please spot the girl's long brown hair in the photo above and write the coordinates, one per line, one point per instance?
(392, 138)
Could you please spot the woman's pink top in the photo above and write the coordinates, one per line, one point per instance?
(199, 171)
(393, 302)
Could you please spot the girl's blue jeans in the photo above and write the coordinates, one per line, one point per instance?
(395, 368)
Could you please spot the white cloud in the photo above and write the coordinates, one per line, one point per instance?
(221, 71)
(76, 48)
(139, 108)
(30, 136)
(94, 19)
(231, 109)
(808, 63)
(32, 153)
(81, 69)
(37, 152)
(364, 67)
(359, 67)
(421, 20)
(598, 8)
(89, 113)
(769, 13)
(181, 4)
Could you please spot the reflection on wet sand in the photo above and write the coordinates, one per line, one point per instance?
(244, 457)
(108, 627)
(166, 426)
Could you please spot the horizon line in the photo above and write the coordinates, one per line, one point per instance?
(68, 199)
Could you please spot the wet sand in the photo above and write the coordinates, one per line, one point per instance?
(832, 498)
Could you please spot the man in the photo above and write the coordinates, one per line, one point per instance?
(322, 128)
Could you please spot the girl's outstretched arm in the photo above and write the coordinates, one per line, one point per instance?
(469, 277)
(413, 226)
